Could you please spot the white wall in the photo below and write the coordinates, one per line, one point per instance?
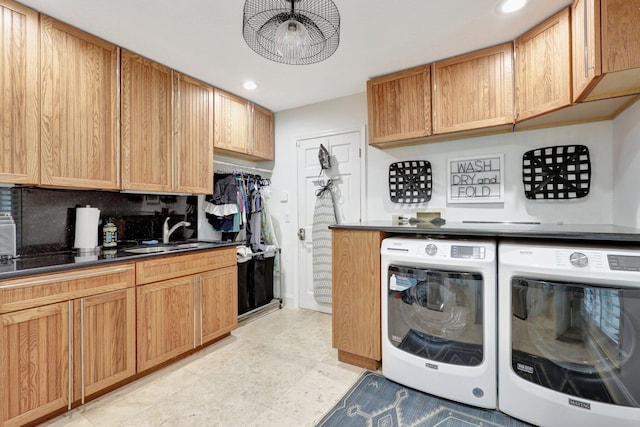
(350, 113)
(516, 207)
(626, 177)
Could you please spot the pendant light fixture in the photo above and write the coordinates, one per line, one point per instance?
(296, 32)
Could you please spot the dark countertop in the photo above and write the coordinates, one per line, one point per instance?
(68, 260)
(584, 232)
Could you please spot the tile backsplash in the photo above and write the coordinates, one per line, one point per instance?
(45, 218)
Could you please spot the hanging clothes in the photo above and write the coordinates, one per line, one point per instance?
(324, 215)
(221, 208)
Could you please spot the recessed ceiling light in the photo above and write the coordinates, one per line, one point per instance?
(249, 85)
(509, 6)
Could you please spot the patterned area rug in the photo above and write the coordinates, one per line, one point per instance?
(375, 401)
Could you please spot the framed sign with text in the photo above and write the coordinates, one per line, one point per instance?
(478, 179)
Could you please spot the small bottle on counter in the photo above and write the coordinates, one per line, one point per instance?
(109, 235)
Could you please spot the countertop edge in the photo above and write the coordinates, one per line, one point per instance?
(628, 236)
(123, 259)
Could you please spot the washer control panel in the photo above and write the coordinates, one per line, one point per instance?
(624, 262)
(473, 252)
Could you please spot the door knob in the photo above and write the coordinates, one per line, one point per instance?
(302, 234)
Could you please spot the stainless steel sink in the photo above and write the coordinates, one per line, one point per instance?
(149, 249)
(162, 248)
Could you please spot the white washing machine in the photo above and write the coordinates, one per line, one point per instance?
(439, 317)
(569, 334)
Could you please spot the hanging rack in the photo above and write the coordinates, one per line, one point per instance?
(236, 166)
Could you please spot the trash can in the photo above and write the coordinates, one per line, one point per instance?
(245, 284)
(263, 278)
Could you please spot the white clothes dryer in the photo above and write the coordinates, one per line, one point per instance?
(439, 317)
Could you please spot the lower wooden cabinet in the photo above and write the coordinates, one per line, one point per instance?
(218, 303)
(69, 336)
(104, 341)
(35, 346)
(166, 320)
(195, 302)
(356, 296)
(64, 336)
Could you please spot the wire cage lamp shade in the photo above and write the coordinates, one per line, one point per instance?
(296, 32)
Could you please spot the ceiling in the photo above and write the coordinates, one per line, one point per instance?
(203, 38)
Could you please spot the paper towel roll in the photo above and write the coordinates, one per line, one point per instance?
(86, 237)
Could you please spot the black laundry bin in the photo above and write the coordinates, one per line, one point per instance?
(246, 298)
(263, 278)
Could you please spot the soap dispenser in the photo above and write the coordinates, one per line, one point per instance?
(109, 234)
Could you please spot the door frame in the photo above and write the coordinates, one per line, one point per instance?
(363, 187)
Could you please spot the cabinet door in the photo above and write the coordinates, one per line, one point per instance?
(165, 320)
(232, 121)
(218, 303)
(104, 341)
(20, 89)
(474, 91)
(35, 361)
(79, 107)
(585, 29)
(399, 105)
(147, 129)
(620, 35)
(356, 296)
(543, 67)
(193, 141)
(263, 137)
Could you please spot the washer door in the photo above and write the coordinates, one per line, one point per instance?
(577, 339)
(436, 314)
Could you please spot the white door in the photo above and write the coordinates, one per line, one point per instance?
(344, 149)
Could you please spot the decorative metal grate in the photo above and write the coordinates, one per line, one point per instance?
(561, 172)
(410, 181)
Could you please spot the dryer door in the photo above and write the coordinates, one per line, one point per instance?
(436, 314)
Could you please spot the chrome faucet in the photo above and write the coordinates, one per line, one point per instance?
(167, 232)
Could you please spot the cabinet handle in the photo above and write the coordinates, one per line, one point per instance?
(195, 295)
(82, 349)
(179, 137)
(70, 350)
(68, 277)
(173, 131)
(201, 316)
(586, 44)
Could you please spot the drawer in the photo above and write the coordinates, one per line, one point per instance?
(169, 267)
(33, 291)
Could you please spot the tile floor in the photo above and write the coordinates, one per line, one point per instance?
(275, 370)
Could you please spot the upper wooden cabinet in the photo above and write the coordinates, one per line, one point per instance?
(243, 128)
(20, 89)
(543, 67)
(79, 108)
(399, 105)
(263, 133)
(167, 129)
(146, 161)
(474, 90)
(606, 48)
(193, 136)
(231, 122)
